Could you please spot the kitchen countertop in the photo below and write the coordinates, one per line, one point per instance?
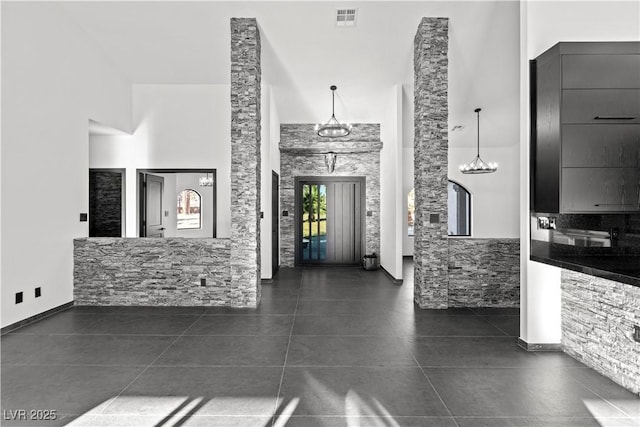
(619, 268)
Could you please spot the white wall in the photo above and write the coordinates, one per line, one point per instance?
(543, 24)
(54, 79)
(495, 196)
(176, 127)
(407, 185)
(391, 205)
(265, 183)
(270, 138)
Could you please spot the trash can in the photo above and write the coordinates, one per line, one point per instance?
(370, 262)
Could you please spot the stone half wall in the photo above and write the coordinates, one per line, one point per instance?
(598, 317)
(302, 154)
(484, 272)
(154, 272)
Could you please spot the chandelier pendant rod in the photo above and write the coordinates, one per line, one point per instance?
(477, 110)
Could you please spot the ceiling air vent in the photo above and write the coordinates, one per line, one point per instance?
(346, 17)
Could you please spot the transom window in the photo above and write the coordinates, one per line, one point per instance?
(189, 210)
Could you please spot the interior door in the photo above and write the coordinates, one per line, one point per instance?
(153, 190)
(329, 221)
(275, 222)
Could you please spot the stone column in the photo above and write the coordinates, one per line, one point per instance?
(431, 246)
(245, 162)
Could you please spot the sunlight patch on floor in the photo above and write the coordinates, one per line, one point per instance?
(168, 411)
(606, 415)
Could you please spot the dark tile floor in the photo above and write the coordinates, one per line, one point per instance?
(326, 347)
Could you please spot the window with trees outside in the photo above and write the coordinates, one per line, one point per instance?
(459, 212)
(189, 210)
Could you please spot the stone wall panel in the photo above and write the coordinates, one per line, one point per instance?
(598, 317)
(484, 272)
(153, 272)
(431, 248)
(245, 161)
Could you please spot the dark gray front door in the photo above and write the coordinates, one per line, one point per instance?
(329, 220)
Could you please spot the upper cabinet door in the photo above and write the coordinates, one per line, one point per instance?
(601, 146)
(591, 190)
(600, 71)
(601, 106)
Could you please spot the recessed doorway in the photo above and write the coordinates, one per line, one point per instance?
(177, 203)
(329, 220)
(106, 202)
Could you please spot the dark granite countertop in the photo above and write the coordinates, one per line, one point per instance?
(620, 268)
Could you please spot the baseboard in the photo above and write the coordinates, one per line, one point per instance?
(538, 347)
(266, 281)
(35, 318)
(393, 279)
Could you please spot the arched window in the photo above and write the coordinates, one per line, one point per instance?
(459, 201)
(459, 210)
(411, 211)
(189, 213)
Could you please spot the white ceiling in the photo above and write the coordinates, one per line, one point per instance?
(303, 53)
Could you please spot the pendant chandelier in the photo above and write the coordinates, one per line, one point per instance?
(333, 128)
(477, 165)
(206, 181)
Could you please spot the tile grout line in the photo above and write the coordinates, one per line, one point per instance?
(286, 355)
(150, 364)
(487, 321)
(431, 384)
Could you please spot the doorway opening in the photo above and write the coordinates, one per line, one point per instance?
(177, 203)
(329, 220)
(106, 202)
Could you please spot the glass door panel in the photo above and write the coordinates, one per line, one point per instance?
(314, 222)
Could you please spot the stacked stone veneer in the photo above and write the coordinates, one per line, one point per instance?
(598, 316)
(148, 271)
(105, 203)
(484, 272)
(431, 247)
(302, 154)
(245, 160)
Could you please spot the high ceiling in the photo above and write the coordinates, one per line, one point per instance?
(304, 52)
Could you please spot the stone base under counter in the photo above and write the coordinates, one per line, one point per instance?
(155, 272)
(598, 319)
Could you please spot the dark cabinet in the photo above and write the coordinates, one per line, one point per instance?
(585, 139)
